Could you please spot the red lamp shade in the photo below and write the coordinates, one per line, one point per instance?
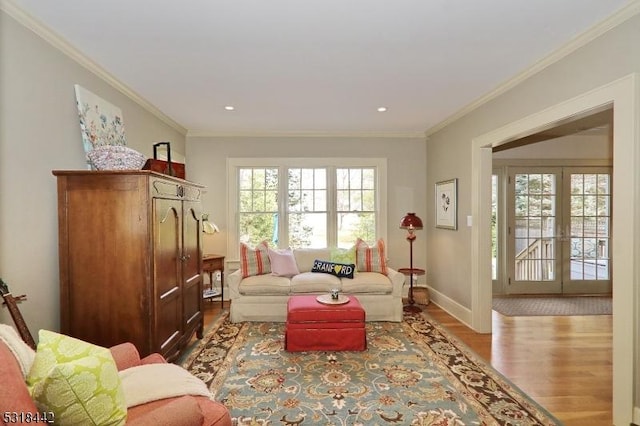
(411, 221)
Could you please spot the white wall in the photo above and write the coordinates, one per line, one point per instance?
(406, 177)
(40, 132)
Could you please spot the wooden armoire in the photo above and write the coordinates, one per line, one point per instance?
(130, 259)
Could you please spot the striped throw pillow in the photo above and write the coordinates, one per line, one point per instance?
(371, 259)
(254, 261)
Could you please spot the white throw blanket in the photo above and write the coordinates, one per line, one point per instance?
(23, 353)
(150, 382)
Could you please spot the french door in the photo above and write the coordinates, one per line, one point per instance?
(559, 230)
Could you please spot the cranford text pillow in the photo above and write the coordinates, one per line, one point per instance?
(371, 259)
(283, 264)
(340, 270)
(254, 261)
(76, 381)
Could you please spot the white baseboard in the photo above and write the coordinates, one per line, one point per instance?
(452, 307)
(636, 415)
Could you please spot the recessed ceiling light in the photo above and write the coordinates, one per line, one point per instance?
(382, 109)
(229, 107)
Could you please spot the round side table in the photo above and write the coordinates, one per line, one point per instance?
(411, 307)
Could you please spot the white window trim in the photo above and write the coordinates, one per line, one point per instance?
(233, 245)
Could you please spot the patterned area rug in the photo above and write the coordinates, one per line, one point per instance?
(412, 373)
(540, 306)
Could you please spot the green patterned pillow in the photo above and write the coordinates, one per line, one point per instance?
(77, 381)
(341, 255)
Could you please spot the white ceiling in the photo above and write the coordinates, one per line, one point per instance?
(316, 66)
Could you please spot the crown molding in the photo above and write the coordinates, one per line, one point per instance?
(627, 12)
(65, 47)
(13, 10)
(310, 134)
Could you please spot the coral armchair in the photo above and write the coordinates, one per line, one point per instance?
(212, 412)
(16, 401)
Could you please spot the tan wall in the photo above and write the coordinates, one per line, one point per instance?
(39, 132)
(406, 177)
(608, 58)
(605, 59)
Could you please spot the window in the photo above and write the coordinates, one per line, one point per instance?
(306, 203)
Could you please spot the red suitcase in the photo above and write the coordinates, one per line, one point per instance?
(164, 167)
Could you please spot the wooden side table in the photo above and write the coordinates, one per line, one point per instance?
(411, 307)
(210, 264)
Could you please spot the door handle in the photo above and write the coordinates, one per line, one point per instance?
(563, 235)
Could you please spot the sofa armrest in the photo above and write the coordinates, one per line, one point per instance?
(155, 358)
(126, 355)
(397, 281)
(233, 281)
(183, 411)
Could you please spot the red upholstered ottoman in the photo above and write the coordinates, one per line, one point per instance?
(315, 326)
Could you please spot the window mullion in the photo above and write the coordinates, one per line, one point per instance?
(332, 216)
(283, 206)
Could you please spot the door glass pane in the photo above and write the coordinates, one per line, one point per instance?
(535, 222)
(590, 226)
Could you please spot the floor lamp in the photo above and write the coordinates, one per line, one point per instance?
(411, 222)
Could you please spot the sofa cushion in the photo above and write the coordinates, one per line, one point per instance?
(311, 282)
(306, 256)
(265, 285)
(283, 264)
(76, 381)
(340, 270)
(371, 259)
(254, 261)
(367, 282)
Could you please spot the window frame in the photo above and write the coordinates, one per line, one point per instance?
(233, 185)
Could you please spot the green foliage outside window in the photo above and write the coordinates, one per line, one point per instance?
(307, 206)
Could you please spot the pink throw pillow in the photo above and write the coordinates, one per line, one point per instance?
(283, 264)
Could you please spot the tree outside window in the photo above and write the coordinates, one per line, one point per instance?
(323, 206)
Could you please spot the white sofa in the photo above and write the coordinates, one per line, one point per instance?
(264, 297)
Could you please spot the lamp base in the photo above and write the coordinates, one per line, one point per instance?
(412, 308)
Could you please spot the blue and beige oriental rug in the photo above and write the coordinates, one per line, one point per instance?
(412, 373)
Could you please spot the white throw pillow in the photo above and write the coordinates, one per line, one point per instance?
(283, 264)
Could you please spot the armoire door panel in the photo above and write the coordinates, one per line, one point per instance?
(168, 330)
(166, 246)
(192, 267)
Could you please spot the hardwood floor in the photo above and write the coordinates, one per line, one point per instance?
(563, 363)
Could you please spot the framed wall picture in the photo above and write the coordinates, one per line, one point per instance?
(447, 204)
(100, 121)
